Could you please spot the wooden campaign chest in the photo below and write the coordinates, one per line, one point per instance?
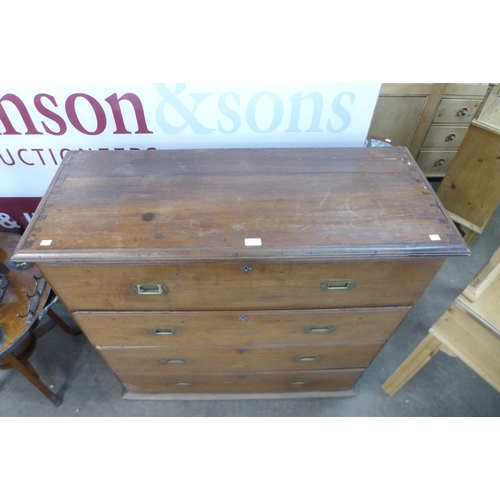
(239, 272)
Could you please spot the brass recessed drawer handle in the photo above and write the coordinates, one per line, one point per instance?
(174, 361)
(307, 358)
(463, 111)
(320, 329)
(163, 331)
(450, 137)
(183, 383)
(149, 288)
(332, 285)
(299, 382)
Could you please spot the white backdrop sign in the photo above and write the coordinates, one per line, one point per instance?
(39, 124)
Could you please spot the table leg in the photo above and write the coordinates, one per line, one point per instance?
(33, 378)
(412, 364)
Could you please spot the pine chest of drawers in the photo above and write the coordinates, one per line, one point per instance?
(239, 272)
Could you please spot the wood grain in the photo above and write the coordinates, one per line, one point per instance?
(178, 222)
(475, 345)
(219, 286)
(471, 187)
(448, 110)
(396, 118)
(441, 136)
(188, 205)
(489, 273)
(238, 359)
(14, 303)
(426, 118)
(262, 382)
(435, 162)
(412, 364)
(307, 327)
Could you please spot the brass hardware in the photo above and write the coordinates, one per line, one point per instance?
(307, 358)
(332, 285)
(149, 288)
(163, 331)
(320, 329)
(245, 269)
(463, 111)
(450, 138)
(182, 383)
(174, 361)
(243, 318)
(439, 163)
(299, 382)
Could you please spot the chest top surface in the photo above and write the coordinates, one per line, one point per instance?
(220, 204)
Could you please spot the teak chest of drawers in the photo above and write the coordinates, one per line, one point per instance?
(239, 272)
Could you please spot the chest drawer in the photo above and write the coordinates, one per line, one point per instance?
(242, 287)
(435, 162)
(277, 382)
(456, 110)
(240, 327)
(239, 359)
(440, 136)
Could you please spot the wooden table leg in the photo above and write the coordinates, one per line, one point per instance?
(59, 321)
(412, 364)
(33, 378)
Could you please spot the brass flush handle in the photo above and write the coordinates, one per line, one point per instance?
(174, 361)
(320, 328)
(163, 331)
(149, 288)
(332, 285)
(299, 382)
(307, 358)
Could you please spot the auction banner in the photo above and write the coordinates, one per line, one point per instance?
(39, 124)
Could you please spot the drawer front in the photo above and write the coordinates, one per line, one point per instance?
(444, 137)
(435, 162)
(242, 287)
(240, 327)
(456, 110)
(239, 359)
(299, 381)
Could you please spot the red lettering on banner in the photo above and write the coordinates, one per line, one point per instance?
(44, 158)
(53, 157)
(114, 102)
(22, 159)
(11, 159)
(73, 118)
(50, 114)
(9, 129)
(39, 155)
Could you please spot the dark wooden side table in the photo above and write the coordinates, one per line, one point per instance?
(25, 300)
